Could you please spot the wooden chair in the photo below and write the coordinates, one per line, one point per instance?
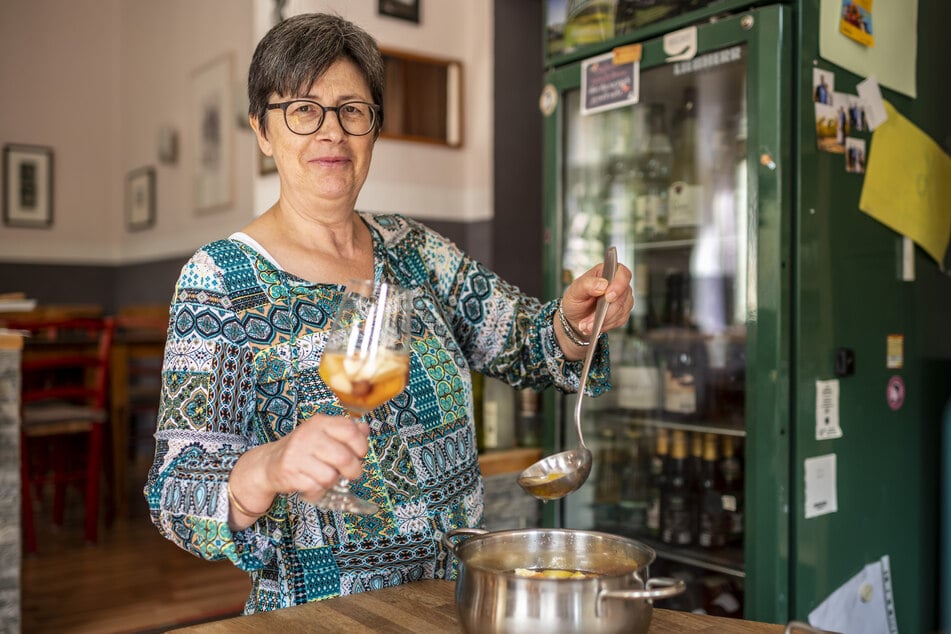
(65, 387)
(136, 373)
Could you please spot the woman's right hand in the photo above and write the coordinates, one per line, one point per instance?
(309, 460)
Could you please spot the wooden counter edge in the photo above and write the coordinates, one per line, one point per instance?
(500, 461)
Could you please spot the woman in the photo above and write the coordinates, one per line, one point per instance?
(249, 438)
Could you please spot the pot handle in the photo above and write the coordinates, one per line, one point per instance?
(469, 532)
(657, 588)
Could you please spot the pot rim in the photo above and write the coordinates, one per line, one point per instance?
(473, 536)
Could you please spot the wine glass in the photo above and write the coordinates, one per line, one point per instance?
(366, 363)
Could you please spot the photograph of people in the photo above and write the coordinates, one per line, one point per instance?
(822, 86)
(249, 438)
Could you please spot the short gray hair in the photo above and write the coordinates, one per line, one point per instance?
(298, 50)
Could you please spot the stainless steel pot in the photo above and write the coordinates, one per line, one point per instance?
(491, 598)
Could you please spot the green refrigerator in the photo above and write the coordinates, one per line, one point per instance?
(774, 425)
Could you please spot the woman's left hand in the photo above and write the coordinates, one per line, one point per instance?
(581, 297)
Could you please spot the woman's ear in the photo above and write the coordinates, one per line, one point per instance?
(261, 135)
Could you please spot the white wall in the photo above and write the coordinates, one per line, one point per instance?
(59, 69)
(96, 79)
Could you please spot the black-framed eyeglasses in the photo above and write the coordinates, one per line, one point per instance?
(305, 116)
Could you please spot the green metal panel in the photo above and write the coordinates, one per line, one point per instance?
(769, 327)
(850, 295)
(764, 31)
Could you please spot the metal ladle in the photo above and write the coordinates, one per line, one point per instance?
(559, 474)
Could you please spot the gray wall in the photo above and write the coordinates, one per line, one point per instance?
(517, 160)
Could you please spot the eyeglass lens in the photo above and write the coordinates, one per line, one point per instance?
(305, 117)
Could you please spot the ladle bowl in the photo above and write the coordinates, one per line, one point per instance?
(558, 475)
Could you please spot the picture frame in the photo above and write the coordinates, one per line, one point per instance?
(402, 9)
(140, 198)
(212, 132)
(27, 186)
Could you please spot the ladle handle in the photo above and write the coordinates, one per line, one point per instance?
(600, 310)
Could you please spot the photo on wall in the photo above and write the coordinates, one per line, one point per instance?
(402, 9)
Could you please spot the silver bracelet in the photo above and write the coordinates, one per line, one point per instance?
(573, 335)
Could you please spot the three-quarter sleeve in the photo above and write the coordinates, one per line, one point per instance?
(503, 332)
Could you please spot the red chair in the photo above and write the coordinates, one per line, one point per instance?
(65, 386)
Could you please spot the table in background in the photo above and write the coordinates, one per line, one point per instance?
(429, 607)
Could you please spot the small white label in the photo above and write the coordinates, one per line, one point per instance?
(683, 205)
(638, 387)
(680, 394)
(729, 503)
(827, 410)
(821, 497)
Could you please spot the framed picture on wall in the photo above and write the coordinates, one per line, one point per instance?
(212, 131)
(27, 186)
(403, 9)
(140, 198)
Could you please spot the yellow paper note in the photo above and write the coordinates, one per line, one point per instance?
(908, 184)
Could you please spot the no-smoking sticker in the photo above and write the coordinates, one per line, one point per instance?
(895, 393)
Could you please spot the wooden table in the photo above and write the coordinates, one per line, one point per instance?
(428, 607)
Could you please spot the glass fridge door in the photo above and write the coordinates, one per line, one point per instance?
(666, 181)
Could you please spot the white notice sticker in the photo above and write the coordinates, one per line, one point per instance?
(821, 495)
(681, 45)
(827, 410)
(871, 96)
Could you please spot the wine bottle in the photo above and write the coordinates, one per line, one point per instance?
(677, 526)
(684, 195)
(732, 473)
(607, 489)
(478, 411)
(710, 527)
(655, 168)
(657, 483)
(634, 499)
(638, 375)
(683, 355)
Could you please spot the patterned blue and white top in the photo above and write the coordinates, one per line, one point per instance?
(244, 342)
